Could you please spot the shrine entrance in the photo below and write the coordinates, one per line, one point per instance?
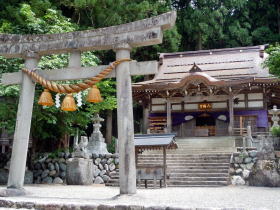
(205, 125)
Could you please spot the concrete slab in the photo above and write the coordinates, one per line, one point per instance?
(95, 197)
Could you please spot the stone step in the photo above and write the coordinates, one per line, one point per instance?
(205, 174)
(186, 164)
(153, 161)
(197, 179)
(199, 171)
(186, 183)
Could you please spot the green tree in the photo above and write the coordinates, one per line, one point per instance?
(206, 24)
(273, 60)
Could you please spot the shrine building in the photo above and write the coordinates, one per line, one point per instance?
(209, 93)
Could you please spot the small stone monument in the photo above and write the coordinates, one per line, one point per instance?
(275, 112)
(79, 167)
(96, 144)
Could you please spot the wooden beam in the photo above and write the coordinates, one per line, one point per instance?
(164, 167)
(70, 73)
(199, 98)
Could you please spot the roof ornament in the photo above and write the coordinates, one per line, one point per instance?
(195, 68)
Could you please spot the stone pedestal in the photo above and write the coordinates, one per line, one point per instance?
(79, 171)
(96, 144)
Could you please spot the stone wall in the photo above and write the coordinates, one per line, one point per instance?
(255, 168)
(53, 170)
(241, 165)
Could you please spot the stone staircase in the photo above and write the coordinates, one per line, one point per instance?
(196, 162)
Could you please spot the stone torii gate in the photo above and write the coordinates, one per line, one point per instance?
(121, 39)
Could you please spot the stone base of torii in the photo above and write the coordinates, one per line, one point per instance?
(121, 39)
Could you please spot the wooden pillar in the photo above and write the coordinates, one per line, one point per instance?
(127, 169)
(231, 116)
(168, 116)
(23, 123)
(146, 113)
(109, 121)
(164, 167)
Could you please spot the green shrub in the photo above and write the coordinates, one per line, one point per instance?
(276, 131)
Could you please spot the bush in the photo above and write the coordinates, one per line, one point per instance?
(111, 147)
(276, 131)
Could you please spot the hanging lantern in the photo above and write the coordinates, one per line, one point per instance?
(46, 98)
(68, 103)
(94, 95)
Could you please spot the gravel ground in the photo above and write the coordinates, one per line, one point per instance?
(253, 198)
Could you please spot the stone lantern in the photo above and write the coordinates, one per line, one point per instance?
(275, 112)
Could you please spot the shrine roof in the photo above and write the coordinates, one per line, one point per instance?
(217, 67)
(155, 141)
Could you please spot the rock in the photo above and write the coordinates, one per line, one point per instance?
(94, 155)
(101, 156)
(100, 166)
(248, 160)
(245, 174)
(265, 174)
(103, 161)
(62, 160)
(28, 177)
(4, 176)
(37, 173)
(249, 166)
(48, 160)
(238, 159)
(236, 165)
(117, 161)
(38, 180)
(62, 166)
(79, 171)
(96, 172)
(56, 165)
(43, 166)
(112, 173)
(237, 180)
(97, 161)
(103, 172)
(105, 178)
(61, 154)
(243, 166)
(45, 173)
(67, 155)
(106, 167)
(115, 155)
(98, 180)
(110, 160)
(47, 180)
(62, 174)
(253, 154)
(255, 159)
(238, 171)
(51, 166)
(108, 155)
(57, 180)
(52, 173)
(112, 167)
(37, 166)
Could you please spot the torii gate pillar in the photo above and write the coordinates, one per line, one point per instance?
(127, 168)
(23, 123)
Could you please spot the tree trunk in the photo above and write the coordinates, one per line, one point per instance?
(109, 126)
(278, 16)
(199, 41)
